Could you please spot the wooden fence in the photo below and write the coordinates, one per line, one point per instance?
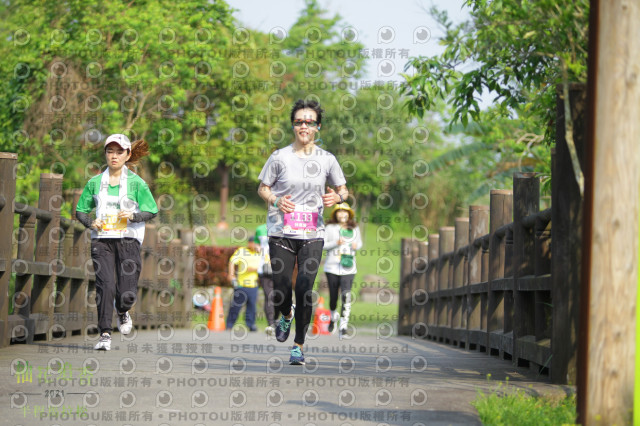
(487, 282)
(494, 282)
(54, 284)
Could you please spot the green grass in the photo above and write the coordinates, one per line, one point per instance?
(506, 406)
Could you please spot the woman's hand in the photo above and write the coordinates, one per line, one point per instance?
(97, 224)
(127, 214)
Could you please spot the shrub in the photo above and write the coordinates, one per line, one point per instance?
(211, 265)
(508, 406)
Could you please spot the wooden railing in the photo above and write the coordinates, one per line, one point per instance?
(487, 281)
(494, 282)
(53, 295)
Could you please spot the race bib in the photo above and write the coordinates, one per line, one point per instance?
(114, 226)
(299, 222)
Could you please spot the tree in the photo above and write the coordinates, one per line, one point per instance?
(317, 58)
(74, 71)
(384, 155)
(236, 121)
(486, 153)
(517, 50)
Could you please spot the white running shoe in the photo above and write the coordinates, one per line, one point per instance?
(335, 317)
(125, 324)
(104, 344)
(344, 327)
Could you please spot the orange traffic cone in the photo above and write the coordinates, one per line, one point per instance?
(322, 318)
(216, 316)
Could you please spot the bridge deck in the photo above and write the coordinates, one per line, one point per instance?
(195, 377)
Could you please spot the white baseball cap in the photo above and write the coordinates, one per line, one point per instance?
(120, 139)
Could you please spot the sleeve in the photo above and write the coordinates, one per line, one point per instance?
(145, 200)
(335, 176)
(358, 238)
(86, 203)
(84, 219)
(270, 171)
(143, 217)
(330, 240)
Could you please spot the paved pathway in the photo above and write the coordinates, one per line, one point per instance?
(193, 377)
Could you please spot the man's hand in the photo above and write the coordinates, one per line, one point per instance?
(285, 204)
(330, 198)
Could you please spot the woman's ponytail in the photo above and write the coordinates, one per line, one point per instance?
(139, 149)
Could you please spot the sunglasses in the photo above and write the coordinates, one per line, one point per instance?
(309, 123)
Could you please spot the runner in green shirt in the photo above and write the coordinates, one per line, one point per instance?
(123, 203)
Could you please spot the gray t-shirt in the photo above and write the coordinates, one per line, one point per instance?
(305, 179)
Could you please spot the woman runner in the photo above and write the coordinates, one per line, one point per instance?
(342, 239)
(123, 204)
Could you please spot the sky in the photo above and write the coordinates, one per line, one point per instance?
(394, 30)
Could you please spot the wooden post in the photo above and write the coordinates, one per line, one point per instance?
(415, 279)
(612, 209)
(24, 282)
(485, 260)
(162, 267)
(188, 283)
(69, 300)
(508, 254)
(175, 307)
(419, 297)
(8, 163)
(404, 306)
(508, 272)
(444, 303)
(82, 246)
(90, 308)
(80, 253)
(526, 200)
(500, 214)
(566, 234)
(459, 299)
(543, 247)
(47, 241)
(477, 301)
(432, 279)
(478, 226)
(62, 295)
(447, 235)
(461, 239)
(143, 316)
